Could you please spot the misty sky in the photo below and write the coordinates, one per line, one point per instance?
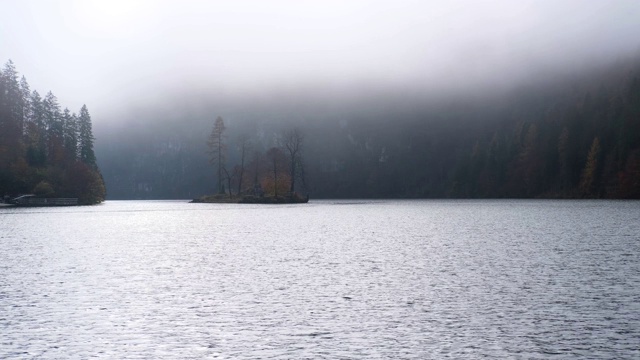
(103, 52)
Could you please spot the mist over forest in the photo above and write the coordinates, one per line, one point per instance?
(574, 134)
(395, 99)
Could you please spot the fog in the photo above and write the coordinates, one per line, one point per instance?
(117, 56)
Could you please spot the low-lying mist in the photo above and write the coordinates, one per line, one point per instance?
(370, 140)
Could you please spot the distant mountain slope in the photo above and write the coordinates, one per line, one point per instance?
(564, 136)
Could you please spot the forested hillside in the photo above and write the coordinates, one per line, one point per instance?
(574, 135)
(44, 150)
(570, 138)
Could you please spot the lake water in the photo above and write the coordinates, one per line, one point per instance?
(328, 279)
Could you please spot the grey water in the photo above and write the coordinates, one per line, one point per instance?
(328, 279)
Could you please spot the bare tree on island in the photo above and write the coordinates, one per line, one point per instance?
(217, 149)
(277, 164)
(244, 145)
(293, 144)
(229, 178)
(255, 167)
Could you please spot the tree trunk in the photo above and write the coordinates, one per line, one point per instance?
(275, 178)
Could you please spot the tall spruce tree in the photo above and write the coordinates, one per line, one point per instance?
(70, 122)
(36, 132)
(217, 149)
(55, 128)
(589, 179)
(85, 138)
(11, 114)
(26, 103)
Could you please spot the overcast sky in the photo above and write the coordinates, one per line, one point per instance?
(99, 52)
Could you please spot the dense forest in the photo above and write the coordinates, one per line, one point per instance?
(573, 135)
(576, 138)
(45, 150)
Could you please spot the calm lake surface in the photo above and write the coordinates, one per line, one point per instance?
(328, 279)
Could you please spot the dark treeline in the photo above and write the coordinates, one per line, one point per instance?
(44, 150)
(570, 136)
(578, 138)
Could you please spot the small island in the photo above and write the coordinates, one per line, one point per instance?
(251, 199)
(270, 177)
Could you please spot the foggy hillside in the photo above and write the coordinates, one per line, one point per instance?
(535, 139)
(530, 98)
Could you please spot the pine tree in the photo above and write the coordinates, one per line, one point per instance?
(85, 138)
(563, 160)
(35, 131)
(12, 96)
(54, 128)
(11, 115)
(70, 122)
(530, 163)
(588, 182)
(26, 104)
(217, 149)
(37, 109)
(52, 114)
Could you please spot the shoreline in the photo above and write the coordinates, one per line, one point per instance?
(248, 199)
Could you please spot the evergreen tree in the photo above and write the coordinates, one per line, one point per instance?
(11, 114)
(70, 122)
(85, 138)
(54, 128)
(36, 132)
(37, 112)
(529, 165)
(217, 149)
(26, 102)
(52, 115)
(588, 182)
(563, 160)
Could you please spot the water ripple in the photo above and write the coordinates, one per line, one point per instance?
(326, 280)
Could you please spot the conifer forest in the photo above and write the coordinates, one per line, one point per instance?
(45, 149)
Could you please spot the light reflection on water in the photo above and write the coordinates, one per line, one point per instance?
(328, 279)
